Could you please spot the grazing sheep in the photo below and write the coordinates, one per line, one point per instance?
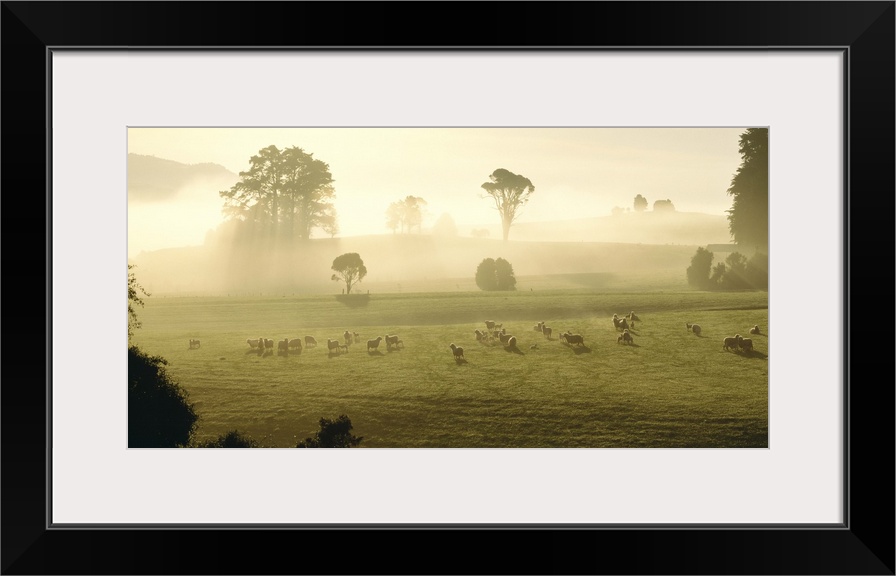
(505, 338)
(482, 336)
(499, 326)
(562, 337)
(458, 352)
(745, 344)
(296, 343)
(576, 339)
(253, 343)
(344, 347)
(348, 337)
(620, 323)
(332, 345)
(731, 342)
(268, 343)
(625, 338)
(695, 328)
(194, 343)
(490, 325)
(511, 342)
(539, 327)
(632, 317)
(375, 343)
(310, 341)
(547, 332)
(283, 345)
(755, 330)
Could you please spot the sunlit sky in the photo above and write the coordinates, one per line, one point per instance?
(577, 172)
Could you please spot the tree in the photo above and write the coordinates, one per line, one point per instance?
(134, 291)
(698, 271)
(332, 434)
(284, 192)
(159, 412)
(349, 269)
(445, 226)
(510, 192)
(748, 216)
(232, 439)
(640, 203)
(495, 275)
(406, 214)
(663, 206)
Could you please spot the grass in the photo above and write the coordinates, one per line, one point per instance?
(670, 389)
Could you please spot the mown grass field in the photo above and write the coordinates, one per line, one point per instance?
(670, 389)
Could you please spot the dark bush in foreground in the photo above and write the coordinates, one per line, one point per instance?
(232, 439)
(159, 412)
(332, 434)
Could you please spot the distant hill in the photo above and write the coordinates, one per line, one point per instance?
(152, 179)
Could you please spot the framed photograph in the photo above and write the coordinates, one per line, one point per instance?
(783, 454)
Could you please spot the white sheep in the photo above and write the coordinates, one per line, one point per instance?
(755, 329)
(626, 337)
(745, 344)
(332, 345)
(695, 328)
(253, 342)
(310, 341)
(620, 323)
(490, 324)
(458, 352)
(539, 327)
(296, 343)
(392, 340)
(576, 339)
(268, 343)
(283, 345)
(731, 342)
(546, 331)
(348, 337)
(505, 338)
(632, 316)
(375, 343)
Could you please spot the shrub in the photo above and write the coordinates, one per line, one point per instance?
(698, 271)
(495, 275)
(159, 412)
(332, 434)
(232, 439)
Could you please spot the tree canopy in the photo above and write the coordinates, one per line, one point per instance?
(405, 215)
(134, 299)
(159, 412)
(286, 193)
(350, 269)
(640, 203)
(495, 274)
(332, 434)
(510, 192)
(748, 216)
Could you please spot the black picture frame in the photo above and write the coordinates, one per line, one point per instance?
(864, 544)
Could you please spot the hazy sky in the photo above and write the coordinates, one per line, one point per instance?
(577, 172)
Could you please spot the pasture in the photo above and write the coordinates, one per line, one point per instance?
(669, 389)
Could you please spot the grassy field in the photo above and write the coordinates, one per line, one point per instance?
(670, 389)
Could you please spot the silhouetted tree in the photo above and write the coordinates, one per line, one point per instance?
(159, 412)
(284, 191)
(716, 279)
(406, 214)
(735, 277)
(699, 270)
(757, 271)
(495, 275)
(134, 299)
(349, 269)
(332, 434)
(748, 216)
(663, 206)
(510, 192)
(640, 203)
(232, 439)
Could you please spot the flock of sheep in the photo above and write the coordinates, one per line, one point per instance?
(736, 343)
(287, 345)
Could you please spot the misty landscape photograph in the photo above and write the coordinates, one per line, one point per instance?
(448, 287)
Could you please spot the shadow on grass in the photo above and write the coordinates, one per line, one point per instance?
(754, 354)
(460, 360)
(514, 349)
(581, 349)
(374, 353)
(354, 300)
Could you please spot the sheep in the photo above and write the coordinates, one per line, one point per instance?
(375, 343)
(392, 340)
(571, 339)
(731, 342)
(348, 337)
(332, 345)
(458, 352)
(546, 331)
(499, 326)
(253, 343)
(356, 337)
(490, 324)
(344, 347)
(695, 328)
(296, 343)
(620, 323)
(746, 344)
(283, 345)
(194, 343)
(505, 338)
(268, 343)
(310, 341)
(632, 317)
(511, 342)
(755, 330)
(625, 338)
(539, 327)
(482, 336)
